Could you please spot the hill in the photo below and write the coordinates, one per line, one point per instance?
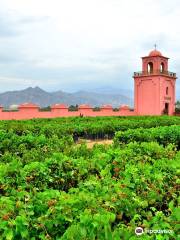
(43, 98)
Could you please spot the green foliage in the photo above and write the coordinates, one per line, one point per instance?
(177, 107)
(51, 188)
(45, 109)
(162, 135)
(73, 108)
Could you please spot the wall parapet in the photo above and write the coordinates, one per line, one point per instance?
(30, 110)
(59, 106)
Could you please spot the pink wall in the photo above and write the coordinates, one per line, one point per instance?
(145, 100)
(150, 95)
(29, 111)
(168, 97)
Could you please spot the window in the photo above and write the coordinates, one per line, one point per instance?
(150, 67)
(162, 67)
(167, 90)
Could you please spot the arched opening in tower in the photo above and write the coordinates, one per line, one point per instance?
(150, 67)
(162, 67)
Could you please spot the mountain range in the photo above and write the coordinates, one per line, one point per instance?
(43, 98)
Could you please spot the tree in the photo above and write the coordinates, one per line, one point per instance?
(177, 107)
(73, 108)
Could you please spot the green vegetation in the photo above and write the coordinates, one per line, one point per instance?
(45, 109)
(51, 188)
(73, 108)
(87, 127)
(177, 107)
(162, 135)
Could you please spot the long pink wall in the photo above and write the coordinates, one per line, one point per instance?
(29, 111)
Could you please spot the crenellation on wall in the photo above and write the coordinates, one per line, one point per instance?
(58, 109)
(26, 106)
(59, 106)
(106, 108)
(30, 110)
(124, 108)
(85, 110)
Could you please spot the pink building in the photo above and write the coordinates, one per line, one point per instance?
(154, 87)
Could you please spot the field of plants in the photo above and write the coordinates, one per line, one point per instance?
(53, 188)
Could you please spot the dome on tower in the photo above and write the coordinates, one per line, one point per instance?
(155, 53)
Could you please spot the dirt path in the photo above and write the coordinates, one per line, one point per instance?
(90, 143)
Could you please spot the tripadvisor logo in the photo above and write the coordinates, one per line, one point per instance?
(139, 231)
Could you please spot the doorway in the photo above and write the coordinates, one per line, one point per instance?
(166, 109)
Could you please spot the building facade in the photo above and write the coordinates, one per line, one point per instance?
(154, 86)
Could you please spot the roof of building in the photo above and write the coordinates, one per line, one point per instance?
(155, 53)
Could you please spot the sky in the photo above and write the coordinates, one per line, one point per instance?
(76, 45)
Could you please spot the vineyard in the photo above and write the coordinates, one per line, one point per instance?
(53, 188)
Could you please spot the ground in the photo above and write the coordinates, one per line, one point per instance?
(90, 143)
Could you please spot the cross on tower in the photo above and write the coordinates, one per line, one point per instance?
(155, 46)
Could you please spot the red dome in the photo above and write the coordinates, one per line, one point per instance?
(155, 53)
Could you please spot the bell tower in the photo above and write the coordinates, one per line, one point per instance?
(154, 86)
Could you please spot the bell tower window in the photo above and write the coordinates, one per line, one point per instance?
(162, 67)
(150, 67)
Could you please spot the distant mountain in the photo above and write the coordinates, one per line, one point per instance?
(113, 90)
(42, 98)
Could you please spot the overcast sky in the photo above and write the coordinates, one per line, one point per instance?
(83, 44)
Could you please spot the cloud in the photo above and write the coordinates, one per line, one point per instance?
(12, 24)
(74, 44)
(6, 27)
(33, 19)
